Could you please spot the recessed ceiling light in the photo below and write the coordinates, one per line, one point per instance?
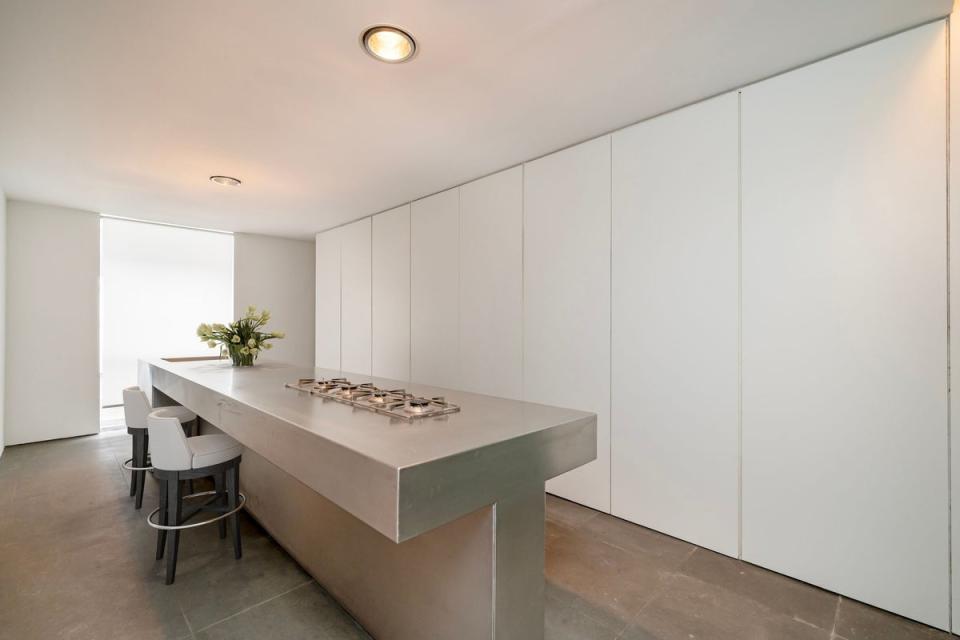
(233, 182)
(388, 44)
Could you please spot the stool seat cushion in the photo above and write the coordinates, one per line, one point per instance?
(213, 449)
(182, 414)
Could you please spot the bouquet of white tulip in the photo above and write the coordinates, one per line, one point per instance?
(242, 339)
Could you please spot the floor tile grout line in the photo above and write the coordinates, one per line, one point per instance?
(659, 591)
(254, 606)
(836, 616)
(187, 620)
(116, 457)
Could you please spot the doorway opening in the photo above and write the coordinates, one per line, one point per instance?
(157, 283)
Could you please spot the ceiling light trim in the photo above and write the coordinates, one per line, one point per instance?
(370, 31)
(226, 181)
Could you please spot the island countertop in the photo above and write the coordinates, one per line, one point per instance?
(401, 478)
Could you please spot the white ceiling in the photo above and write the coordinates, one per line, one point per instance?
(126, 107)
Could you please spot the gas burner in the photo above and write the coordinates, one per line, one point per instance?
(379, 396)
(327, 385)
(417, 405)
(396, 403)
(351, 391)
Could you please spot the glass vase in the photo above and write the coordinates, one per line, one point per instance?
(240, 359)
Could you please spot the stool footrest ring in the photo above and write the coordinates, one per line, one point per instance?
(170, 527)
(128, 465)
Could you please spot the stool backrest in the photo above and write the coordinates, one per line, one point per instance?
(169, 450)
(136, 406)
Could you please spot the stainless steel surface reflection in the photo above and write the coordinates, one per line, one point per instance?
(401, 478)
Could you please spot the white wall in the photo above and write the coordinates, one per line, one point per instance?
(157, 283)
(491, 284)
(674, 439)
(53, 264)
(845, 324)
(327, 337)
(390, 275)
(435, 289)
(954, 219)
(278, 274)
(566, 299)
(779, 317)
(355, 297)
(3, 309)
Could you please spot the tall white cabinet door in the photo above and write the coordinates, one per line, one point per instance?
(675, 429)
(327, 343)
(391, 294)
(844, 324)
(491, 284)
(355, 297)
(566, 273)
(435, 289)
(954, 178)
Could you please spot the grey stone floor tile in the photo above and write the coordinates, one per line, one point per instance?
(73, 549)
(569, 617)
(776, 592)
(858, 621)
(212, 585)
(689, 608)
(637, 539)
(305, 613)
(608, 578)
(92, 595)
(568, 513)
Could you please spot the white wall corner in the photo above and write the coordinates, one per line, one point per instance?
(278, 274)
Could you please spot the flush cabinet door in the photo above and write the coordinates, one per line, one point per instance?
(955, 314)
(391, 294)
(434, 289)
(674, 415)
(844, 324)
(355, 297)
(328, 300)
(566, 327)
(491, 284)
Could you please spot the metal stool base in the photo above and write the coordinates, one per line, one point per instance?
(166, 527)
(128, 465)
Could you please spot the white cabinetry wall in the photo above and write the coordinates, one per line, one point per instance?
(844, 324)
(391, 294)
(491, 284)
(435, 289)
(566, 315)
(954, 179)
(674, 423)
(327, 340)
(355, 297)
(777, 292)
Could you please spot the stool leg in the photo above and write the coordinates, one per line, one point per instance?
(141, 461)
(162, 519)
(233, 493)
(133, 457)
(173, 518)
(192, 431)
(219, 483)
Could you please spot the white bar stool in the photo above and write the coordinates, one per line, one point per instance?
(177, 458)
(136, 406)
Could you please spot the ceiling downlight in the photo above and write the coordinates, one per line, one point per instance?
(226, 180)
(388, 44)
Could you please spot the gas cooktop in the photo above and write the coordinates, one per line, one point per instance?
(396, 403)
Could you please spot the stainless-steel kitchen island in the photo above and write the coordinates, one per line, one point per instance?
(427, 529)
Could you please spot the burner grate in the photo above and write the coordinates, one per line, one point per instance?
(396, 403)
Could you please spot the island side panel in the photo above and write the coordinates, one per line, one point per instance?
(436, 586)
(519, 580)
